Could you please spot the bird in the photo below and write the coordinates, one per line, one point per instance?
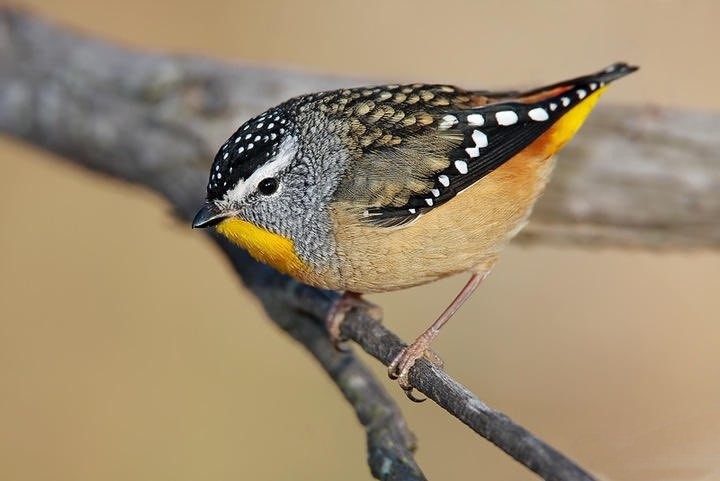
(374, 189)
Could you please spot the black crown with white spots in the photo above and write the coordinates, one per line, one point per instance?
(251, 146)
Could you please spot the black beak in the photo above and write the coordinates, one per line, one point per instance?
(208, 216)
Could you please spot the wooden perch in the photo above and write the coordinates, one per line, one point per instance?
(636, 176)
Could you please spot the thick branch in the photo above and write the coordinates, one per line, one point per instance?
(637, 176)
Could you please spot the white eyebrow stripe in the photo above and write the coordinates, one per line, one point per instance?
(286, 154)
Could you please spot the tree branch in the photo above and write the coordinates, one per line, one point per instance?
(297, 308)
(637, 176)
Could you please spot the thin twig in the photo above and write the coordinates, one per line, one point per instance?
(292, 305)
(456, 399)
(389, 441)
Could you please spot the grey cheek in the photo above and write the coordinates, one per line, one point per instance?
(271, 213)
(301, 214)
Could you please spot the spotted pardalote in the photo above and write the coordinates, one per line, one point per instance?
(380, 188)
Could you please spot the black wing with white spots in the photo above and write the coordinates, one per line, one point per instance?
(491, 135)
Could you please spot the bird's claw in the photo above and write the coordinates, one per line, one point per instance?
(399, 368)
(332, 324)
(340, 309)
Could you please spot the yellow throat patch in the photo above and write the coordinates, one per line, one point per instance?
(263, 245)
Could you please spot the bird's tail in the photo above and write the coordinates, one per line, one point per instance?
(587, 82)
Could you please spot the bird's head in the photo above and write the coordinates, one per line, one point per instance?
(270, 186)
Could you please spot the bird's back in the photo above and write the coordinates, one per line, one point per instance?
(449, 194)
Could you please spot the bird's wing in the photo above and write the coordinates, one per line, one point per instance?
(394, 184)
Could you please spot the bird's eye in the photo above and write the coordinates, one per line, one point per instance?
(268, 186)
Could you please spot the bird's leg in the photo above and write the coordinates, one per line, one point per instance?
(339, 310)
(400, 367)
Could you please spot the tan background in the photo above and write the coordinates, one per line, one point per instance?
(128, 351)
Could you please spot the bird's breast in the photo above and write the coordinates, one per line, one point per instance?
(464, 234)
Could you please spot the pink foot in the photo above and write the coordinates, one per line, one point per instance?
(337, 313)
(400, 367)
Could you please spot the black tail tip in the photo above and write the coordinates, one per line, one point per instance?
(615, 71)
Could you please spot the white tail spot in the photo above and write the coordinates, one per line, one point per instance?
(461, 166)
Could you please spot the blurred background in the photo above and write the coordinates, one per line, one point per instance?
(129, 351)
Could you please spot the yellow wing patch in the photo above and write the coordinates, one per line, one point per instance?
(567, 126)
